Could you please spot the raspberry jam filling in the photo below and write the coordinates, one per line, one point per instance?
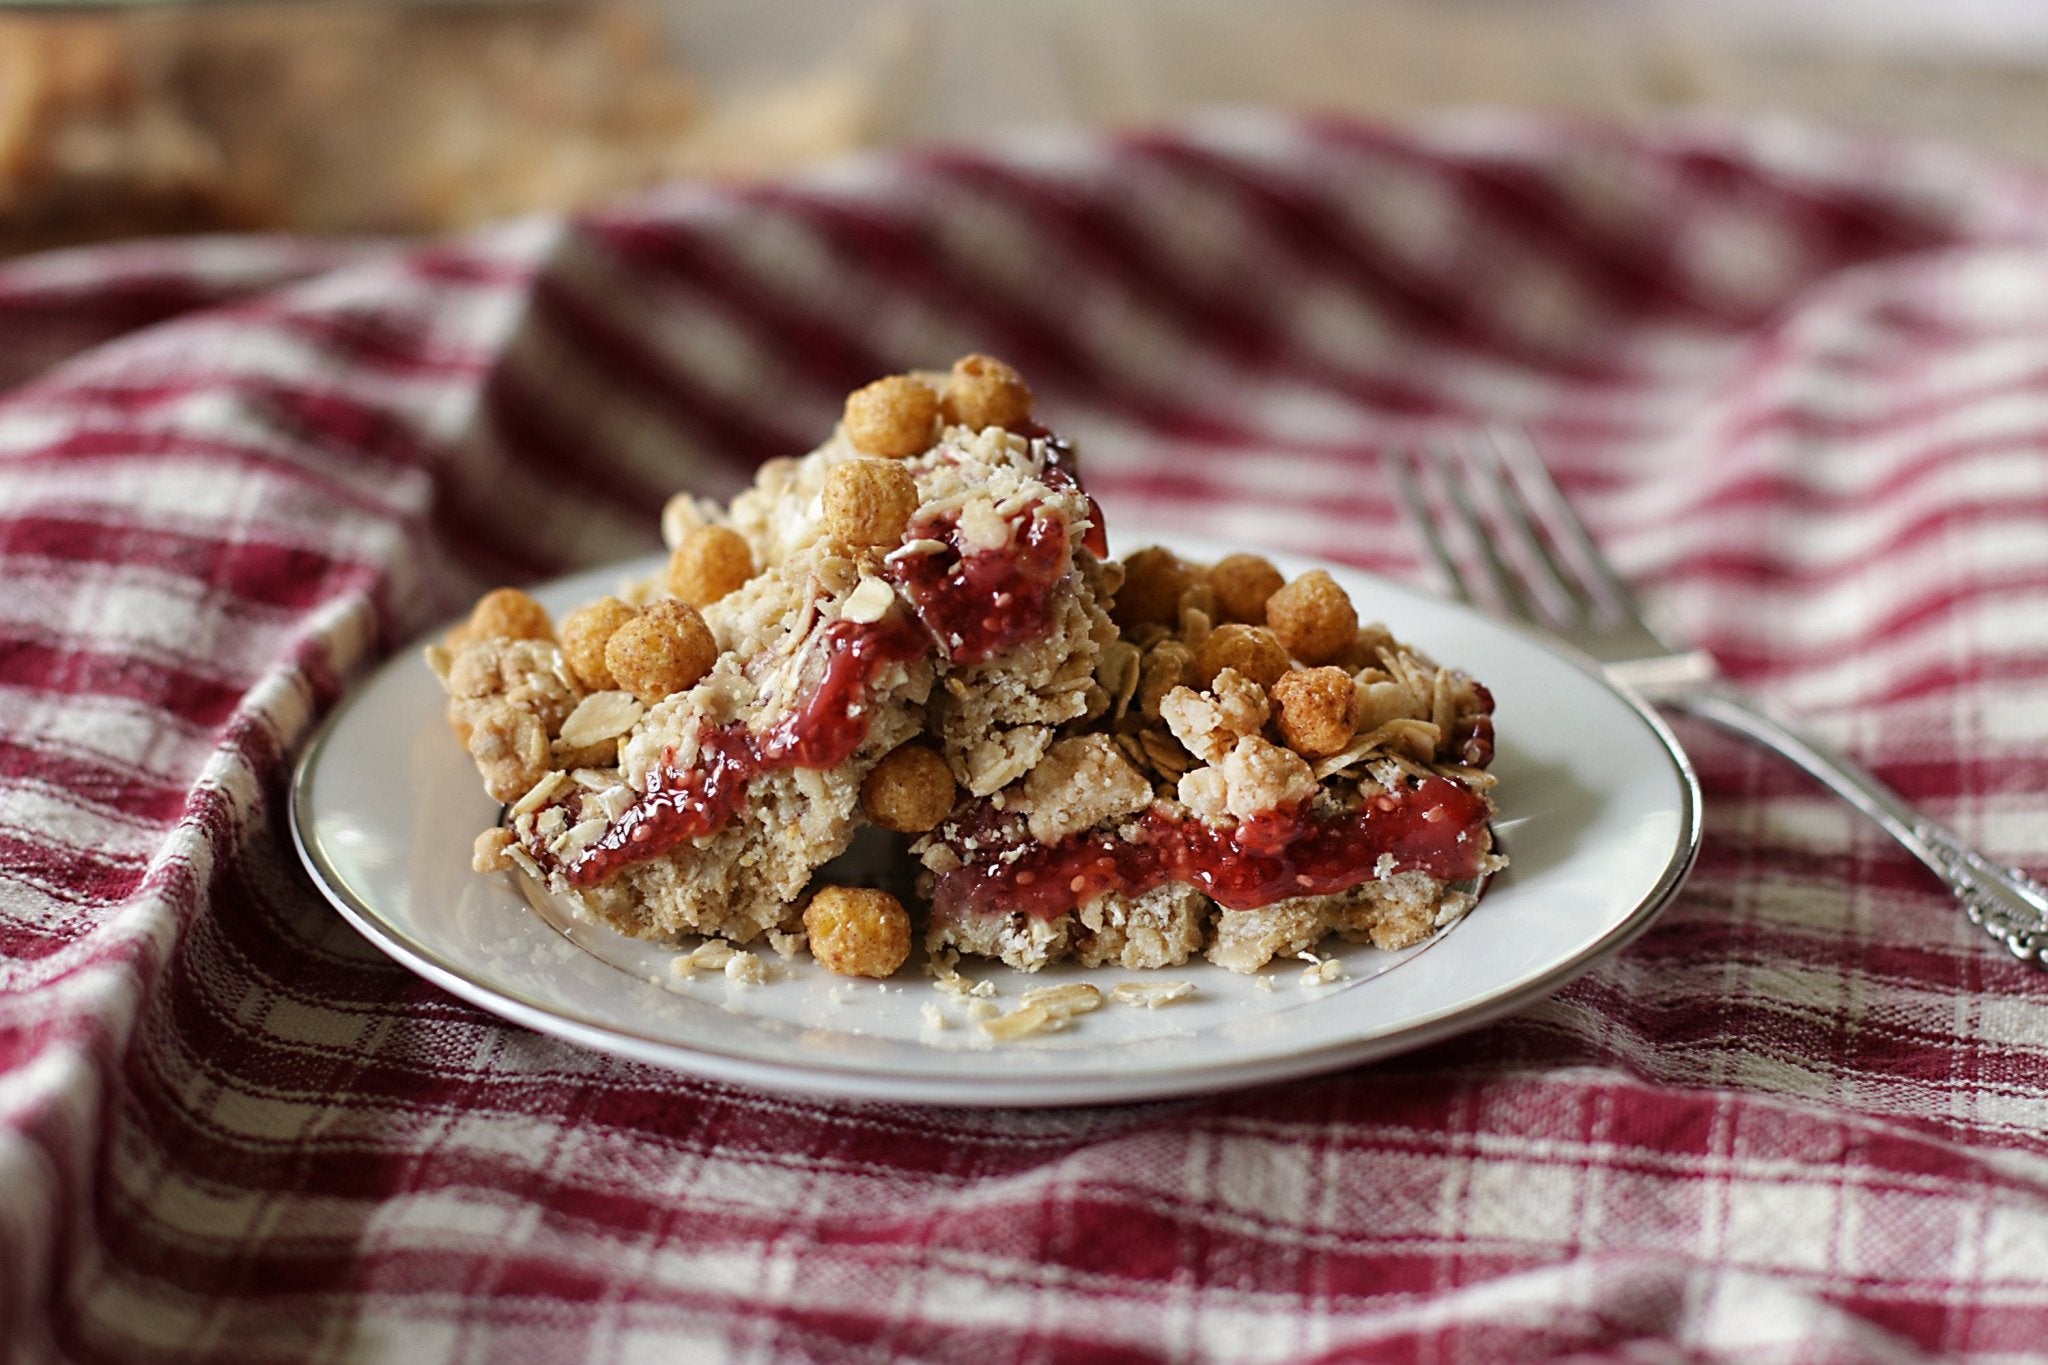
(978, 603)
(1438, 827)
(1063, 471)
(690, 803)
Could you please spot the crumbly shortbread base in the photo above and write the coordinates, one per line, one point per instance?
(1400, 911)
(1170, 924)
(1162, 928)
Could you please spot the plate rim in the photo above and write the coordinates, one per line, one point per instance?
(863, 1081)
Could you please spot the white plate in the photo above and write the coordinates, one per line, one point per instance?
(1599, 816)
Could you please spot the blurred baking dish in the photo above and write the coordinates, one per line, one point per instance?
(369, 116)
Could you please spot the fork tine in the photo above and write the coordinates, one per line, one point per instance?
(1530, 557)
(1565, 591)
(1546, 502)
(1432, 481)
(1406, 473)
(1456, 477)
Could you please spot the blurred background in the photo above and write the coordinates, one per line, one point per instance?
(348, 116)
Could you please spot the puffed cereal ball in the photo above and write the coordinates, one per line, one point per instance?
(1253, 651)
(909, 791)
(1364, 650)
(1154, 579)
(1313, 618)
(507, 614)
(857, 931)
(1314, 706)
(1243, 584)
(709, 563)
(892, 417)
(662, 651)
(984, 392)
(869, 503)
(585, 633)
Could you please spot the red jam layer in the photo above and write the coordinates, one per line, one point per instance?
(1438, 827)
(1472, 740)
(690, 803)
(1063, 470)
(978, 604)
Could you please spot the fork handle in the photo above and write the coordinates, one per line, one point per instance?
(2003, 901)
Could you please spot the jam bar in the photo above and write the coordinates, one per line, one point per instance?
(919, 603)
(1268, 773)
(917, 627)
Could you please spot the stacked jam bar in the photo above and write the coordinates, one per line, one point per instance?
(917, 627)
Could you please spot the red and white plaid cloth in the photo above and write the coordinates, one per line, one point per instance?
(1797, 384)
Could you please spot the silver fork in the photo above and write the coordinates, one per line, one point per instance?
(1526, 555)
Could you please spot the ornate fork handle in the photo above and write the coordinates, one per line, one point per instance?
(2003, 901)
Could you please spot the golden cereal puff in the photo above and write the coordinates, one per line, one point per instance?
(666, 649)
(1314, 710)
(1154, 579)
(1313, 618)
(710, 562)
(1243, 584)
(1364, 650)
(868, 504)
(585, 633)
(984, 392)
(857, 931)
(1253, 651)
(506, 614)
(909, 791)
(892, 417)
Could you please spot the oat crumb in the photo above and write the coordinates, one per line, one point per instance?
(934, 1017)
(1264, 983)
(1023, 1022)
(492, 852)
(982, 1009)
(948, 978)
(1321, 971)
(746, 969)
(709, 956)
(1150, 995)
(784, 944)
(1064, 1001)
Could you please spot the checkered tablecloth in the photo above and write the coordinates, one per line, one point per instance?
(1797, 384)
